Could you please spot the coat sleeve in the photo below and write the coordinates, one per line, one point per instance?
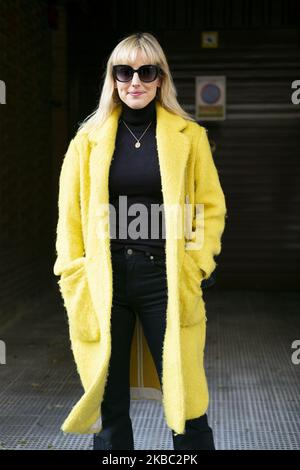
(69, 240)
(209, 224)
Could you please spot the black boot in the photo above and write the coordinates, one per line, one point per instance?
(100, 444)
(117, 435)
(198, 436)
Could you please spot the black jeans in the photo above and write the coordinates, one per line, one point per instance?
(139, 287)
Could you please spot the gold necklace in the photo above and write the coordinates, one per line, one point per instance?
(138, 143)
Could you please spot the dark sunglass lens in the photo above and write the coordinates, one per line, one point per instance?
(123, 73)
(148, 73)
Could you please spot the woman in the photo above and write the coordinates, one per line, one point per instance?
(142, 146)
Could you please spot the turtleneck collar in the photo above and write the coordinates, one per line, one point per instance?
(141, 116)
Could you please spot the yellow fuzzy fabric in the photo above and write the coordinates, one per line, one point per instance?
(84, 267)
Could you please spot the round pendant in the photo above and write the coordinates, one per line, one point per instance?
(137, 145)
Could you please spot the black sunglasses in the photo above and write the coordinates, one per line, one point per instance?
(147, 73)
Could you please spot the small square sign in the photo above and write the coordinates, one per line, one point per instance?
(209, 39)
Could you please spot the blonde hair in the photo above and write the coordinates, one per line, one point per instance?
(126, 52)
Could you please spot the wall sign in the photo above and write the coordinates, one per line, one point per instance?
(209, 39)
(210, 98)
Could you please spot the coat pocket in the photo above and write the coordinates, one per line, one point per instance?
(192, 307)
(83, 321)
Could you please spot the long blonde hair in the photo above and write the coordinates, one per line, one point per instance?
(126, 50)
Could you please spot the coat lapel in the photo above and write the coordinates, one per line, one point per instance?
(173, 149)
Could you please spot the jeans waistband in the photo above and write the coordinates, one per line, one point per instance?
(130, 251)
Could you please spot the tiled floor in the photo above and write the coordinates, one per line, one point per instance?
(254, 386)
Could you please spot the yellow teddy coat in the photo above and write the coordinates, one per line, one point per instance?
(84, 267)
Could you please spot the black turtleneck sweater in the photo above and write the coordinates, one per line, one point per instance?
(135, 175)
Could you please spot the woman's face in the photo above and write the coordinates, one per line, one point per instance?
(147, 90)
